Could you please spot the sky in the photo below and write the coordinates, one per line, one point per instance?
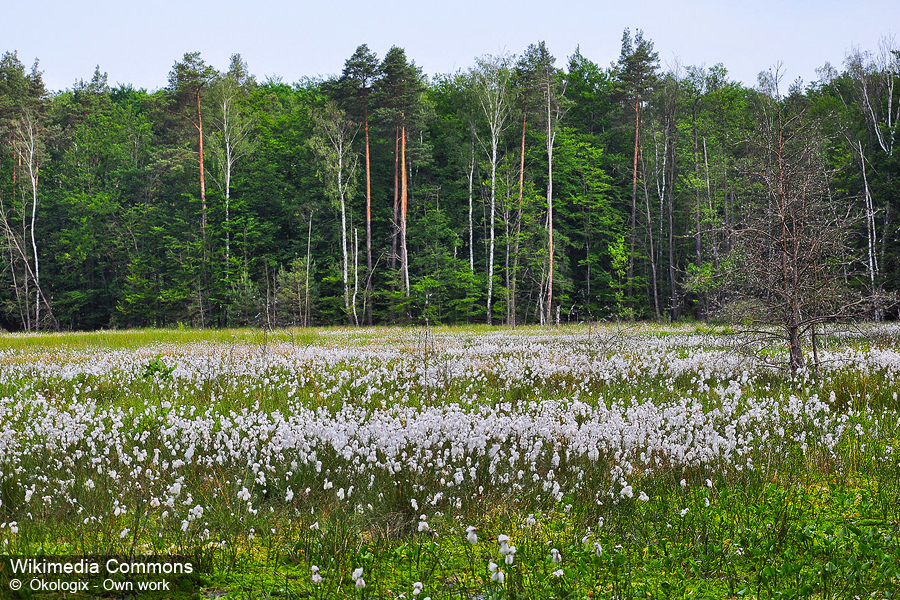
(138, 42)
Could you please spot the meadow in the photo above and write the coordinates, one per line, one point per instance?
(590, 461)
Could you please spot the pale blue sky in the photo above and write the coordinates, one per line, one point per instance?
(137, 42)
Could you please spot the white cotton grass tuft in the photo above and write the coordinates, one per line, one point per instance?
(471, 536)
(357, 576)
(378, 435)
(496, 574)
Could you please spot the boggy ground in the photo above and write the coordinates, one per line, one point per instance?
(575, 462)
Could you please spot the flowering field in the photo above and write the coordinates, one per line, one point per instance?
(577, 462)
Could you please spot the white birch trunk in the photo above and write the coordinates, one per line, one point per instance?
(471, 225)
(551, 135)
(344, 269)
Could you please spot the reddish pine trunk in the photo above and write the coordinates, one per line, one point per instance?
(404, 258)
(396, 197)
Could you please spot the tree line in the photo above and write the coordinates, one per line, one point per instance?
(515, 191)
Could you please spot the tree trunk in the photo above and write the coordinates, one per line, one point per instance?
(697, 235)
(203, 217)
(37, 268)
(344, 265)
(652, 249)
(670, 202)
(306, 314)
(368, 298)
(508, 251)
(471, 224)
(355, 274)
(872, 266)
(634, 172)
(511, 317)
(228, 161)
(404, 259)
(490, 282)
(395, 225)
(709, 201)
(550, 247)
(796, 350)
(202, 175)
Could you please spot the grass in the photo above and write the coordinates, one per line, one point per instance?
(655, 461)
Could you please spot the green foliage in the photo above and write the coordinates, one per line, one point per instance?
(157, 368)
(118, 211)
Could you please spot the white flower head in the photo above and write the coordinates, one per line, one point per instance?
(471, 535)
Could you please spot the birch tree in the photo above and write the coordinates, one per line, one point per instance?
(234, 124)
(22, 124)
(637, 76)
(491, 80)
(550, 88)
(332, 143)
(187, 79)
(355, 86)
(398, 93)
(874, 93)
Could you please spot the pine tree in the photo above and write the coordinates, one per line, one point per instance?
(636, 78)
(354, 89)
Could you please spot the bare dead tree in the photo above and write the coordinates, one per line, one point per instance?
(784, 276)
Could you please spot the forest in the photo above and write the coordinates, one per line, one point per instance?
(522, 190)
